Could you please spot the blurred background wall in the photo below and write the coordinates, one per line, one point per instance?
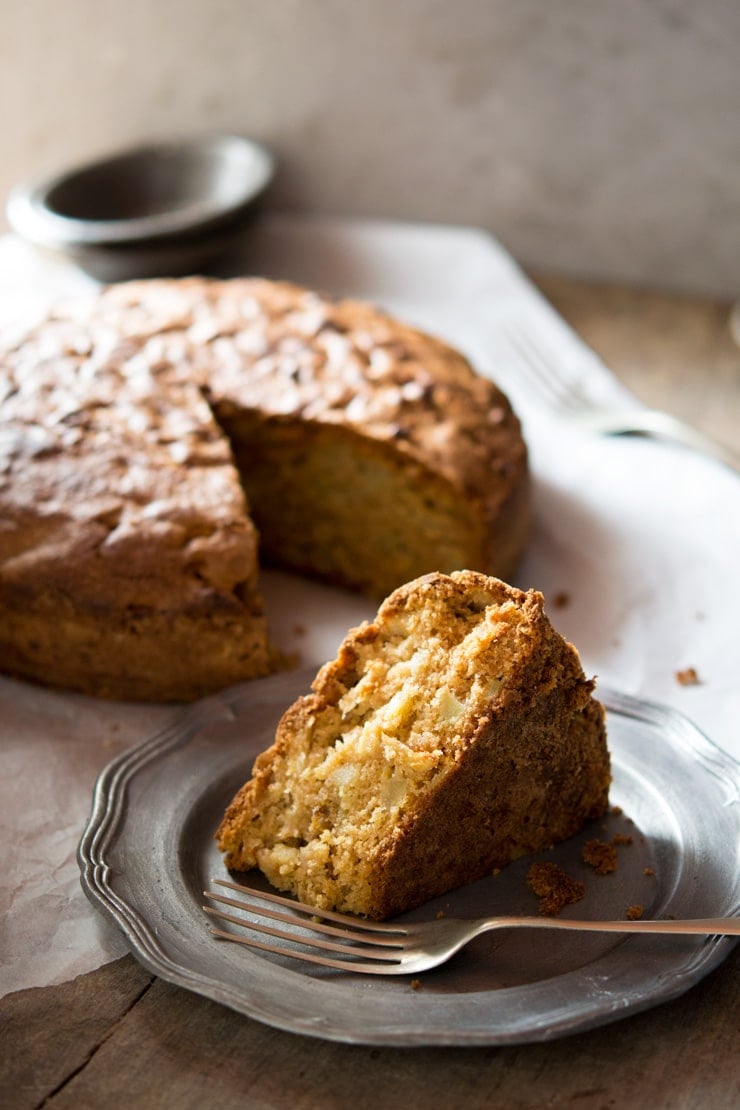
(596, 138)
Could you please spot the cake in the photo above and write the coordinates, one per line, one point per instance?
(160, 438)
(452, 735)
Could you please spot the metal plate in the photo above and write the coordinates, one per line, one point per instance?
(148, 852)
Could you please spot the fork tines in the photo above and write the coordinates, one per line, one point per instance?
(310, 928)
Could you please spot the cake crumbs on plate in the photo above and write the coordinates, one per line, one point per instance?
(634, 913)
(600, 855)
(622, 839)
(649, 871)
(688, 677)
(561, 600)
(416, 984)
(554, 888)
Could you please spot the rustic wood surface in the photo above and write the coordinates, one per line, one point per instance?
(119, 1037)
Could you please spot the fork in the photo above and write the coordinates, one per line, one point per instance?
(383, 948)
(542, 371)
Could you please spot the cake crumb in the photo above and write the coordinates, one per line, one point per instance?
(554, 888)
(649, 871)
(299, 629)
(622, 838)
(634, 913)
(561, 599)
(616, 811)
(688, 677)
(600, 855)
(440, 914)
(416, 984)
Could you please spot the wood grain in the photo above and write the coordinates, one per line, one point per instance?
(111, 1038)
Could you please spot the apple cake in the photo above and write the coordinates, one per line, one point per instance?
(450, 736)
(158, 437)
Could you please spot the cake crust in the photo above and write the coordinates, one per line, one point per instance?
(133, 422)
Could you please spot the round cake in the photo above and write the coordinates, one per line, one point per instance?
(159, 436)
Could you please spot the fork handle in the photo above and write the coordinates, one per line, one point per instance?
(650, 422)
(709, 926)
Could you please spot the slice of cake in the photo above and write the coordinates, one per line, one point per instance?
(453, 734)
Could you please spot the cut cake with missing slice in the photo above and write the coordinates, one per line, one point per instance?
(450, 736)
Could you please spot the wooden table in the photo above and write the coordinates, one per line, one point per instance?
(120, 1037)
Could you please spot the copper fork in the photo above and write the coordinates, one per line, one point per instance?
(385, 948)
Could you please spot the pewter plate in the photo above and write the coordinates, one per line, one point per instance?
(148, 852)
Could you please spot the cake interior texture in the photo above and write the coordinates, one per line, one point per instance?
(333, 504)
(452, 735)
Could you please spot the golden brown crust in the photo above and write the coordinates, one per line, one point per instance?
(119, 497)
(471, 730)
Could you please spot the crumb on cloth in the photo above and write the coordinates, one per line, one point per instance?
(688, 677)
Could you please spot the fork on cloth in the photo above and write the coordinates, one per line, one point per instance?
(353, 944)
(541, 368)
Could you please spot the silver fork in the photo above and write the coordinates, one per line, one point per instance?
(383, 948)
(540, 369)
